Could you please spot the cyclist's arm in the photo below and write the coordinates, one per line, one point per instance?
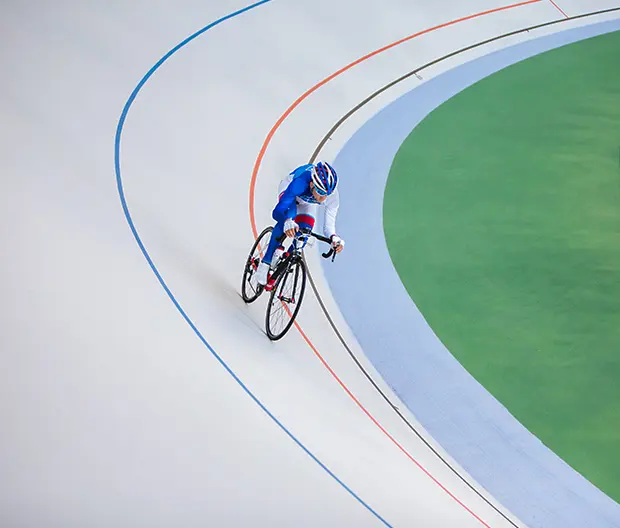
(331, 211)
(284, 208)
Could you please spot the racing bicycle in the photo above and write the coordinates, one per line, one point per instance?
(287, 281)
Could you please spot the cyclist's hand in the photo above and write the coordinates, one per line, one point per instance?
(337, 243)
(290, 227)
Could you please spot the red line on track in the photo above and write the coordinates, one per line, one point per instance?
(309, 92)
(558, 8)
(259, 160)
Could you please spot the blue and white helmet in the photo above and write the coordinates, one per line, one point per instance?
(324, 177)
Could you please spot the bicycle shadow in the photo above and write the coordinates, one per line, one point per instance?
(200, 270)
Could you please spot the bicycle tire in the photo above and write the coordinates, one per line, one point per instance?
(296, 272)
(258, 248)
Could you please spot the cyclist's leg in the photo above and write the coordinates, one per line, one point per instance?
(277, 238)
(305, 217)
(306, 213)
(277, 235)
(304, 221)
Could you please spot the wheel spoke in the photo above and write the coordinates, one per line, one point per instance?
(279, 305)
(281, 320)
(285, 300)
(250, 289)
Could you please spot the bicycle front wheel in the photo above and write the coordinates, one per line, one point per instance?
(285, 299)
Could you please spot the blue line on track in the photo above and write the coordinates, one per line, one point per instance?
(119, 181)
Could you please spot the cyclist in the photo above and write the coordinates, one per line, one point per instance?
(300, 194)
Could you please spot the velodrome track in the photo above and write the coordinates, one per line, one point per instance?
(143, 392)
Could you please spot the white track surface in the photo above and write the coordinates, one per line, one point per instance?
(114, 412)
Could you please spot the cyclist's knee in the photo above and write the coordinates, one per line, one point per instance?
(305, 221)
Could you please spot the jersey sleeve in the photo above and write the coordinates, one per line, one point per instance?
(285, 207)
(331, 211)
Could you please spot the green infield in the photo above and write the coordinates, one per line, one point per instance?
(502, 218)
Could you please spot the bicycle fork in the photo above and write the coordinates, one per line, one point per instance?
(284, 268)
(291, 300)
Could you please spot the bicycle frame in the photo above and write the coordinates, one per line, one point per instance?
(295, 251)
(279, 282)
(289, 258)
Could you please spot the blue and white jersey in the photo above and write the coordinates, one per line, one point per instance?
(295, 190)
(299, 175)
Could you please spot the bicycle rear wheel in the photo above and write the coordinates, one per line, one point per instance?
(250, 289)
(285, 299)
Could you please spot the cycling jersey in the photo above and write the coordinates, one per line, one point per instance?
(296, 198)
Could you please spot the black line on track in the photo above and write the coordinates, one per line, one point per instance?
(314, 288)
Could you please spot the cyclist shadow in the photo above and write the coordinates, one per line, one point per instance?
(198, 268)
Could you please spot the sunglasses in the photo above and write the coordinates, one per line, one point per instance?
(318, 191)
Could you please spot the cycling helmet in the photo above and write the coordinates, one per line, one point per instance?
(324, 177)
